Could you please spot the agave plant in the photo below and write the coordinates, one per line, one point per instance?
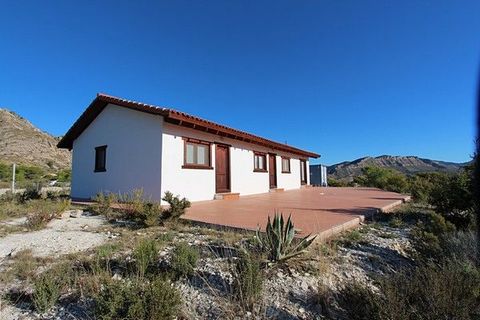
(279, 239)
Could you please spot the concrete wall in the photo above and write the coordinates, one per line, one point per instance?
(134, 144)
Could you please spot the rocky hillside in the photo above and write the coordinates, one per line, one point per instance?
(407, 165)
(21, 142)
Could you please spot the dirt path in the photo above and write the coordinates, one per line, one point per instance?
(62, 236)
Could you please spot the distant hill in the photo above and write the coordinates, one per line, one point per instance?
(23, 143)
(407, 165)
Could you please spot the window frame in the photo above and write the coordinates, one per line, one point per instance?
(197, 142)
(264, 156)
(98, 168)
(289, 165)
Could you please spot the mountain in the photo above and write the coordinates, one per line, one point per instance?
(23, 143)
(406, 164)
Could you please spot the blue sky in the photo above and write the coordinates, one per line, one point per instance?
(345, 79)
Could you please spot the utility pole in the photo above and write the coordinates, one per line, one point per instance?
(13, 179)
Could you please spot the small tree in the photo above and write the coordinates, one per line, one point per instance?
(177, 206)
(382, 178)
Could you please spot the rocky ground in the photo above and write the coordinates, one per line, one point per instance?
(296, 290)
(291, 291)
(70, 234)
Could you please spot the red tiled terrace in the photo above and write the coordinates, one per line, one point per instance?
(323, 211)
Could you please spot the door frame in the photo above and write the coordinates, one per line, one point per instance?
(303, 182)
(270, 155)
(227, 163)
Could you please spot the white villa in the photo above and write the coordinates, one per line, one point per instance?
(121, 145)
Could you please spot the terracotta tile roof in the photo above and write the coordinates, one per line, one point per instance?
(171, 116)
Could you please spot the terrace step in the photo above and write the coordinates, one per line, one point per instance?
(277, 190)
(227, 196)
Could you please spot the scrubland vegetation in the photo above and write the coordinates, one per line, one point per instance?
(38, 208)
(418, 262)
(28, 175)
(443, 280)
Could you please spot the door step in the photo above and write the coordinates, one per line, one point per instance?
(227, 196)
(276, 190)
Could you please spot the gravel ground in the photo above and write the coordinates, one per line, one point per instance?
(61, 236)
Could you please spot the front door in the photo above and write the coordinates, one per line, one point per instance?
(303, 172)
(272, 170)
(222, 168)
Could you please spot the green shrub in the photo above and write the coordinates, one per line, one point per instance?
(247, 281)
(103, 204)
(32, 192)
(137, 300)
(452, 197)
(5, 172)
(166, 236)
(57, 195)
(360, 303)
(421, 185)
(48, 286)
(447, 291)
(351, 238)
(279, 240)
(101, 260)
(395, 222)
(451, 194)
(43, 211)
(184, 260)
(177, 206)
(427, 235)
(46, 293)
(460, 246)
(432, 236)
(131, 204)
(145, 255)
(332, 182)
(30, 173)
(382, 178)
(151, 214)
(65, 175)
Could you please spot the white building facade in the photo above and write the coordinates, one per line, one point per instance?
(120, 145)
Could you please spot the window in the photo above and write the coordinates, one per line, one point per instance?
(196, 154)
(259, 162)
(285, 165)
(101, 159)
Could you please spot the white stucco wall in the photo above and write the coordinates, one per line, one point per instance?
(199, 184)
(134, 144)
(290, 180)
(194, 184)
(145, 152)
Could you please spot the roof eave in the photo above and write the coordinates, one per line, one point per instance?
(99, 103)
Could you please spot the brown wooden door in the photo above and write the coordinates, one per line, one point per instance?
(222, 168)
(303, 172)
(272, 170)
